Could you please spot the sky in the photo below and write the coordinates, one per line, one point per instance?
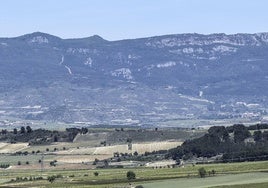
(125, 19)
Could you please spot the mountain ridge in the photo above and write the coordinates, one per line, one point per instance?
(156, 80)
(154, 36)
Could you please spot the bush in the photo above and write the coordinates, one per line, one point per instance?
(213, 172)
(4, 165)
(202, 172)
(53, 163)
(131, 175)
(59, 176)
(96, 174)
(39, 178)
(51, 178)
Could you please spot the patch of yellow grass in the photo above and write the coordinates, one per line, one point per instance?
(12, 148)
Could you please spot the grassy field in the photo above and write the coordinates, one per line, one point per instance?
(250, 185)
(231, 179)
(226, 174)
(141, 148)
(12, 148)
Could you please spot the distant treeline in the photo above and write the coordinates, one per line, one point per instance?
(233, 143)
(258, 126)
(40, 136)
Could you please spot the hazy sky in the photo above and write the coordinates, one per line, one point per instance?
(120, 19)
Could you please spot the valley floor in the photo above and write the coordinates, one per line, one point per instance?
(223, 180)
(228, 174)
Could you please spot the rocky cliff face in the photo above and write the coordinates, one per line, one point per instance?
(148, 81)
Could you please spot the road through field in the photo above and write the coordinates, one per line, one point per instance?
(232, 179)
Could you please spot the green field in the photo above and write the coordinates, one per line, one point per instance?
(226, 174)
(231, 179)
(250, 185)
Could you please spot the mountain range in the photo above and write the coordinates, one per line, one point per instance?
(154, 81)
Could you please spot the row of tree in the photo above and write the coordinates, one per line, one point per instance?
(234, 143)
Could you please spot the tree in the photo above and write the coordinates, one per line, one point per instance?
(218, 133)
(55, 138)
(51, 178)
(202, 172)
(22, 130)
(29, 129)
(4, 131)
(257, 136)
(131, 175)
(15, 131)
(53, 163)
(178, 161)
(84, 130)
(106, 163)
(265, 135)
(240, 133)
(213, 172)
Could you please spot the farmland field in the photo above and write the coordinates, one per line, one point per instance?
(231, 179)
(123, 148)
(226, 174)
(12, 148)
(250, 185)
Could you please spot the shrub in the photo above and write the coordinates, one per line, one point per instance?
(4, 165)
(131, 175)
(39, 178)
(53, 163)
(96, 174)
(51, 178)
(59, 176)
(213, 172)
(202, 172)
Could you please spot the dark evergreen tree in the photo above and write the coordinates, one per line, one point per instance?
(22, 130)
(29, 129)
